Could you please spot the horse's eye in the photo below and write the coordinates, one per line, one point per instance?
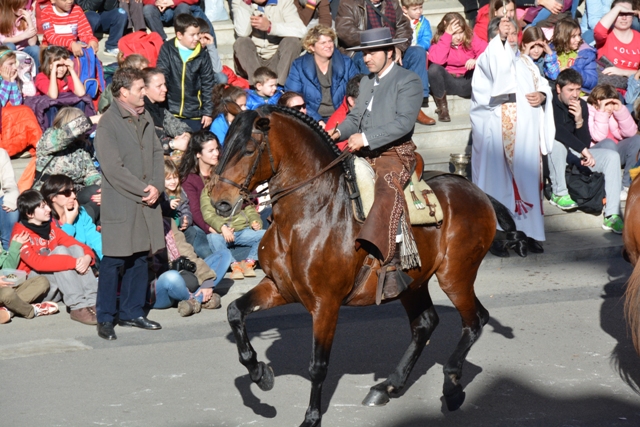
(250, 148)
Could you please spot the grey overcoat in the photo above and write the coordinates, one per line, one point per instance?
(130, 157)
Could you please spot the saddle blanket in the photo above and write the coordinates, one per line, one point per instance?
(424, 207)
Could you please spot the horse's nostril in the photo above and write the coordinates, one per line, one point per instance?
(223, 208)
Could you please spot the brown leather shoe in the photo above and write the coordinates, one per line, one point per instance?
(84, 315)
(442, 108)
(423, 119)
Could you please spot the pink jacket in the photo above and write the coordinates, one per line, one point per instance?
(454, 58)
(618, 126)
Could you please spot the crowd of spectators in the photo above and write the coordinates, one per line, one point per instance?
(54, 86)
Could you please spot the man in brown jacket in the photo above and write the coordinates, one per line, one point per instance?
(131, 159)
(355, 16)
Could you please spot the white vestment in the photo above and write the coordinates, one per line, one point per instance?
(500, 78)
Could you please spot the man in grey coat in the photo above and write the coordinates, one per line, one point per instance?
(131, 159)
(379, 128)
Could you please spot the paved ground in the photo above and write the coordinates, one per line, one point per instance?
(556, 353)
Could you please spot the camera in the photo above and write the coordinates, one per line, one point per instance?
(183, 263)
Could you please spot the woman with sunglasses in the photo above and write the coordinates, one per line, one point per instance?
(322, 75)
(616, 41)
(60, 194)
(294, 101)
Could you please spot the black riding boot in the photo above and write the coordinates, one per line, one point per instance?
(391, 277)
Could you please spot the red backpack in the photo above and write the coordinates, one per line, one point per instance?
(147, 45)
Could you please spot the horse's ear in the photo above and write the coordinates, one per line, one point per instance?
(263, 124)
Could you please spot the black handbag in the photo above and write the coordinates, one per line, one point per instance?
(586, 188)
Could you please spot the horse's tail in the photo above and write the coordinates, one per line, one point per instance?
(632, 305)
(513, 238)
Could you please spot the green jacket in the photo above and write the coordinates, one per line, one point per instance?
(11, 258)
(238, 222)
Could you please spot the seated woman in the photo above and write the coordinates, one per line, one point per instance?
(62, 150)
(535, 46)
(321, 76)
(489, 11)
(618, 45)
(572, 52)
(243, 229)
(452, 55)
(60, 258)
(172, 287)
(60, 193)
(228, 101)
(611, 126)
(294, 101)
(174, 135)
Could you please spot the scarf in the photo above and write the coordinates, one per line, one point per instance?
(375, 21)
(157, 112)
(42, 230)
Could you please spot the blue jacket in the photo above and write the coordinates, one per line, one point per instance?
(254, 100)
(304, 80)
(423, 38)
(84, 231)
(585, 64)
(220, 127)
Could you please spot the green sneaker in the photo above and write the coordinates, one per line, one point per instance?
(563, 202)
(613, 223)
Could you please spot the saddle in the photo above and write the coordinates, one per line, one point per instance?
(424, 207)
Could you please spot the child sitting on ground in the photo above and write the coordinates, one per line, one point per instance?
(189, 74)
(19, 299)
(174, 201)
(134, 60)
(9, 90)
(52, 253)
(242, 229)
(207, 41)
(228, 101)
(57, 74)
(265, 82)
(64, 24)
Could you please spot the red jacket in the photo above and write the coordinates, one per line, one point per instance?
(65, 30)
(31, 257)
(175, 2)
(338, 117)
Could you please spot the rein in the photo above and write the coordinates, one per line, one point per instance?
(264, 143)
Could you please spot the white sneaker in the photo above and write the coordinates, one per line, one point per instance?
(624, 193)
(112, 52)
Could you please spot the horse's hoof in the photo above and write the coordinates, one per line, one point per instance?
(454, 398)
(376, 398)
(267, 379)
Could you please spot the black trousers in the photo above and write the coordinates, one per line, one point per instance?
(440, 80)
(133, 291)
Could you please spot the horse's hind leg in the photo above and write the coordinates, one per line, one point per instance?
(457, 283)
(264, 296)
(423, 319)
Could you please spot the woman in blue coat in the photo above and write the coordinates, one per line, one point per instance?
(321, 76)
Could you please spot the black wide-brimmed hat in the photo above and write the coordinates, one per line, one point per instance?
(376, 38)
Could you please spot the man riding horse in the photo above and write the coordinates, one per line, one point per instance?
(379, 129)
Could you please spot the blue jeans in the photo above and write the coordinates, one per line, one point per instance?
(171, 288)
(246, 237)
(156, 20)
(7, 221)
(32, 51)
(414, 59)
(198, 239)
(113, 22)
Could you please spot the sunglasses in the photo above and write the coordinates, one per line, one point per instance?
(67, 192)
(299, 107)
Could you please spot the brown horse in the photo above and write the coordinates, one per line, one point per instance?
(631, 240)
(308, 253)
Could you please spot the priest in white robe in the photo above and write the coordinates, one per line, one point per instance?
(512, 127)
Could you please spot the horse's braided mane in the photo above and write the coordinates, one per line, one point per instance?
(240, 131)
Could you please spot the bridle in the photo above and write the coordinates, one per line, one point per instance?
(244, 188)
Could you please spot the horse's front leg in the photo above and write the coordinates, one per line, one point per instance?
(264, 296)
(325, 319)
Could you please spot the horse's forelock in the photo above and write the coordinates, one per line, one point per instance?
(237, 137)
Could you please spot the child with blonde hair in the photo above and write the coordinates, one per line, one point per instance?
(174, 201)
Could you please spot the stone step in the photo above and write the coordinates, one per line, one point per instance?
(454, 134)
(434, 11)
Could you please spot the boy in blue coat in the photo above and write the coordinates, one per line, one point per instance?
(266, 90)
(421, 27)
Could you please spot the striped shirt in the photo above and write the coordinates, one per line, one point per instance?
(64, 29)
(10, 92)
